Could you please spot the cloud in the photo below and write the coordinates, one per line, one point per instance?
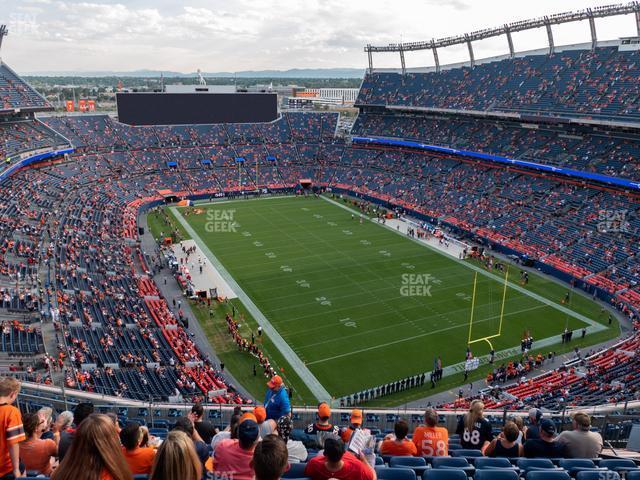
(233, 35)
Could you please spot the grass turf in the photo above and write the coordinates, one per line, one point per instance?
(332, 288)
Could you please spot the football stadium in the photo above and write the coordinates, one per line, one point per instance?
(448, 290)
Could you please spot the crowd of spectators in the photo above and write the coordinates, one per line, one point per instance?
(598, 84)
(85, 444)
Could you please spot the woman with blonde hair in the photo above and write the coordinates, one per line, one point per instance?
(95, 453)
(176, 459)
(474, 430)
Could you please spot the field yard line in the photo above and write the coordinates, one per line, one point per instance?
(408, 339)
(452, 327)
(298, 365)
(595, 326)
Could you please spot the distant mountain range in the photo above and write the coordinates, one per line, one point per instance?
(292, 73)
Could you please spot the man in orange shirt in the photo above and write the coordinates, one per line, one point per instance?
(139, 459)
(429, 439)
(398, 445)
(13, 432)
(355, 423)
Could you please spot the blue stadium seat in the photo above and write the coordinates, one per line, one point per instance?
(527, 464)
(390, 473)
(497, 474)
(458, 463)
(379, 460)
(598, 475)
(418, 464)
(618, 464)
(467, 453)
(444, 474)
(296, 470)
(493, 463)
(547, 475)
(575, 465)
(632, 475)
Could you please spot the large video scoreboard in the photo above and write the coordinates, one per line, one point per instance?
(199, 108)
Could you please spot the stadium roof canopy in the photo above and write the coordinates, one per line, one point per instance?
(507, 29)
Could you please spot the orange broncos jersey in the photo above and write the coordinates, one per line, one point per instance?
(431, 441)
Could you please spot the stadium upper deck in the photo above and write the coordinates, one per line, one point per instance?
(600, 84)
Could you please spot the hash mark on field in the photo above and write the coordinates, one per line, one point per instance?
(246, 234)
(408, 266)
(305, 209)
(365, 242)
(257, 243)
(303, 283)
(347, 232)
(323, 301)
(318, 216)
(270, 255)
(384, 253)
(286, 268)
(332, 224)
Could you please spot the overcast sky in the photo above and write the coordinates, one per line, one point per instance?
(236, 35)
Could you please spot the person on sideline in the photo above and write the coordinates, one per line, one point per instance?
(276, 401)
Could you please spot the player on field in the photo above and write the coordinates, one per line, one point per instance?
(474, 430)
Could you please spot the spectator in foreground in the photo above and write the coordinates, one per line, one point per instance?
(317, 432)
(355, 422)
(506, 444)
(46, 413)
(139, 459)
(35, 452)
(94, 454)
(176, 458)
(270, 458)
(276, 401)
(397, 444)
(338, 464)
(185, 425)
(266, 425)
(546, 446)
(533, 430)
(63, 422)
(230, 432)
(474, 430)
(205, 428)
(581, 442)
(81, 412)
(429, 439)
(13, 431)
(233, 457)
(296, 450)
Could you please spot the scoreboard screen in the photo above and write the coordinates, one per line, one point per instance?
(196, 108)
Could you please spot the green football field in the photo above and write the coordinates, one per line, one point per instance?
(361, 305)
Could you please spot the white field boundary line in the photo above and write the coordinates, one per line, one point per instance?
(316, 388)
(593, 325)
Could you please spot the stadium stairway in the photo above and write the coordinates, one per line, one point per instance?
(171, 290)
